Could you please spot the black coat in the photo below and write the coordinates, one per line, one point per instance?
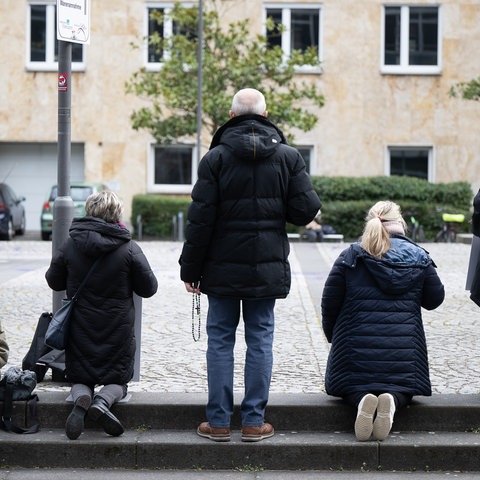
(101, 342)
(249, 185)
(371, 313)
(475, 286)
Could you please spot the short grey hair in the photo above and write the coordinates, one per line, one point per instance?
(248, 100)
(105, 205)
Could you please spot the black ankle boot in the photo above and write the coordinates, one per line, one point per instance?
(100, 412)
(75, 421)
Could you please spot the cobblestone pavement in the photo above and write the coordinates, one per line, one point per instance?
(172, 362)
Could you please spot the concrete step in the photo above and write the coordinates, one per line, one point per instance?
(308, 412)
(313, 432)
(287, 450)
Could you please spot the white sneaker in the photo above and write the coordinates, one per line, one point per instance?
(364, 421)
(385, 412)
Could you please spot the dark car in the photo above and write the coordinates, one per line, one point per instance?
(79, 193)
(12, 213)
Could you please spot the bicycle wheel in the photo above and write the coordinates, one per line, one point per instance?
(451, 236)
(412, 230)
(440, 236)
(420, 235)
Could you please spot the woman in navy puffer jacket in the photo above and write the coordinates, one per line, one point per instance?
(371, 314)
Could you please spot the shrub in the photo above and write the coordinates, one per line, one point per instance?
(157, 213)
(345, 203)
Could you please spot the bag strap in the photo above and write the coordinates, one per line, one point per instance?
(87, 276)
(6, 419)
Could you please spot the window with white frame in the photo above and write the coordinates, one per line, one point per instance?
(163, 29)
(411, 39)
(301, 27)
(171, 169)
(411, 162)
(42, 44)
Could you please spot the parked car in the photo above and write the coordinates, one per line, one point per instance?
(12, 213)
(79, 193)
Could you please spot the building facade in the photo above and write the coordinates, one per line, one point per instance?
(386, 71)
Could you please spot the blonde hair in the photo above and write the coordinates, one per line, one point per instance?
(248, 100)
(105, 205)
(383, 218)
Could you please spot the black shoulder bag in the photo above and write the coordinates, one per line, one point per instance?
(57, 331)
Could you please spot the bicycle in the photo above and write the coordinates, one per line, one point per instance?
(416, 230)
(448, 233)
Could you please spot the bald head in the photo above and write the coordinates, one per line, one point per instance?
(248, 100)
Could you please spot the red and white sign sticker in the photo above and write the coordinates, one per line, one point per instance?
(62, 82)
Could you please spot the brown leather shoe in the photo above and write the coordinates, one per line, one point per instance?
(212, 433)
(255, 434)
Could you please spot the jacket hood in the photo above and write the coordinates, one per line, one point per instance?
(252, 137)
(94, 236)
(398, 270)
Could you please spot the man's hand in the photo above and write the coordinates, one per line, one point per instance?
(192, 287)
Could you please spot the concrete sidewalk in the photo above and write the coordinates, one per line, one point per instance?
(313, 431)
(120, 474)
(172, 362)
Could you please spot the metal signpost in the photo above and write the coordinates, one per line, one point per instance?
(73, 25)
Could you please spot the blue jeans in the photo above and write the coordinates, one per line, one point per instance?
(222, 321)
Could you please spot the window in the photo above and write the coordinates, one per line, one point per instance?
(171, 169)
(411, 40)
(306, 153)
(302, 28)
(411, 162)
(164, 30)
(153, 27)
(42, 44)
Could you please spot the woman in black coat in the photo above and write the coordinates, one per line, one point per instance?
(101, 341)
(473, 276)
(371, 314)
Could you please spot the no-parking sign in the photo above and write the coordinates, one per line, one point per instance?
(73, 21)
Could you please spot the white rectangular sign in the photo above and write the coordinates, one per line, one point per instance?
(73, 21)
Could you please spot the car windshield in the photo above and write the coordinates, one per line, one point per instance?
(78, 194)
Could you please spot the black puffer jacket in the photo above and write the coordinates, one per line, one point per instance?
(371, 313)
(249, 184)
(101, 344)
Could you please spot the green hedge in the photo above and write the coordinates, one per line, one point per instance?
(346, 201)
(398, 189)
(157, 213)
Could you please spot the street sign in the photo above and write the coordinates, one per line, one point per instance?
(73, 21)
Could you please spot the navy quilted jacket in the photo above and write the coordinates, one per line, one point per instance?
(371, 314)
(250, 183)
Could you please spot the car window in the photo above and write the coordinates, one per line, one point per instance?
(78, 194)
(12, 194)
(53, 194)
(8, 196)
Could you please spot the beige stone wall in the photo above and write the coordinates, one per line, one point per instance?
(365, 111)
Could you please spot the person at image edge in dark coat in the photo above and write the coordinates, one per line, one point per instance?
(101, 340)
(371, 314)
(250, 183)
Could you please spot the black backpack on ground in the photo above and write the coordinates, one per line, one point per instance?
(40, 357)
